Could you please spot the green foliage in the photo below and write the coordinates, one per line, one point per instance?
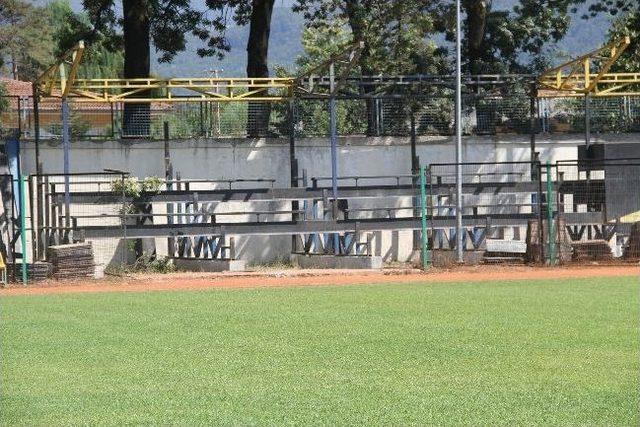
(536, 353)
(25, 39)
(103, 50)
(33, 36)
(170, 21)
(4, 102)
(511, 40)
(4, 105)
(396, 34)
(321, 41)
(135, 188)
(152, 264)
(146, 264)
(627, 25)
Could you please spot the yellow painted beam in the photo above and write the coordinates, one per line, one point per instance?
(589, 74)
(76, 57)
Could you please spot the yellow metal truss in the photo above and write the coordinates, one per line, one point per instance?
(57, 80)
(589, 75)
(181, 90)
(60, 81)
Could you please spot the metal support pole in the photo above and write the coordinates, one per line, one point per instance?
(23, 227)
(36, 128)
(459, 235)
(168, 176)
(124, 210)
(423, 216)
(540, 212)
(532, 124)
(587, 119)
(415, 170)
(36, 136)
(66, 147)
(551, 227)
(334, 167)
(293, 168)
(333, 133)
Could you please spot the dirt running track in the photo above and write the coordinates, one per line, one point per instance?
(199, 281)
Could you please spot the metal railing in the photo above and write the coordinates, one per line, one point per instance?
(570, 211)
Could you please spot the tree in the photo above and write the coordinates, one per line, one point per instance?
(25, 39)
(102, 57)
(626, 14)
(256, 14)
(506, 41)
(165, 23)
(395, 34)
(627, 25)
(4, 103)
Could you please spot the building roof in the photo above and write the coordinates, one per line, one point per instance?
(17, 87)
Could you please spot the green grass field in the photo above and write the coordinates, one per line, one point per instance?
(545, 353)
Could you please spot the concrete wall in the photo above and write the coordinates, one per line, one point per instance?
(269, 158)
(244, 158)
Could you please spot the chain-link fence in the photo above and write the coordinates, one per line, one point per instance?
(571, 211)
(500, 211)
(63, 206)
(16, 116)
(605, 115)
(383, 115)
(599, 209)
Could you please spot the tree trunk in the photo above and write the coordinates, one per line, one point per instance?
(257, 64)
(355, 12)
(136, 120)
(475, 22)
(474, 49)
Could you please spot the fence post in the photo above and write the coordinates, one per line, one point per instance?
(423, 215)
(66, 148)
(333, 137)
(124, 210)
(23, 228)
(551, 227)
(587, 119)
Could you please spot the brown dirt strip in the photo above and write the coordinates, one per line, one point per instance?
(200, 281)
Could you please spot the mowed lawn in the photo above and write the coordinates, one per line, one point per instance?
(534, 353)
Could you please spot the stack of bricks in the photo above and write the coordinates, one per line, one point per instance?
(71, 261)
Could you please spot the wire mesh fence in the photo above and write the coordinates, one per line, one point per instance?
(599, 209)
(16, 116)
(381, 115)
(568, 212)
(605, 115)
(63, 206)
(499, 207)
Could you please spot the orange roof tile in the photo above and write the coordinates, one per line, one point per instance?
(17, 87)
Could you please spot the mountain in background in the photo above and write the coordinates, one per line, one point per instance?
(285, 45)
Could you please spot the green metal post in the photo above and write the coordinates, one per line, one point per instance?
(423, 214)
(551, 227)
(23, 227)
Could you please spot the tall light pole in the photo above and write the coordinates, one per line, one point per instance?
(459, 233)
